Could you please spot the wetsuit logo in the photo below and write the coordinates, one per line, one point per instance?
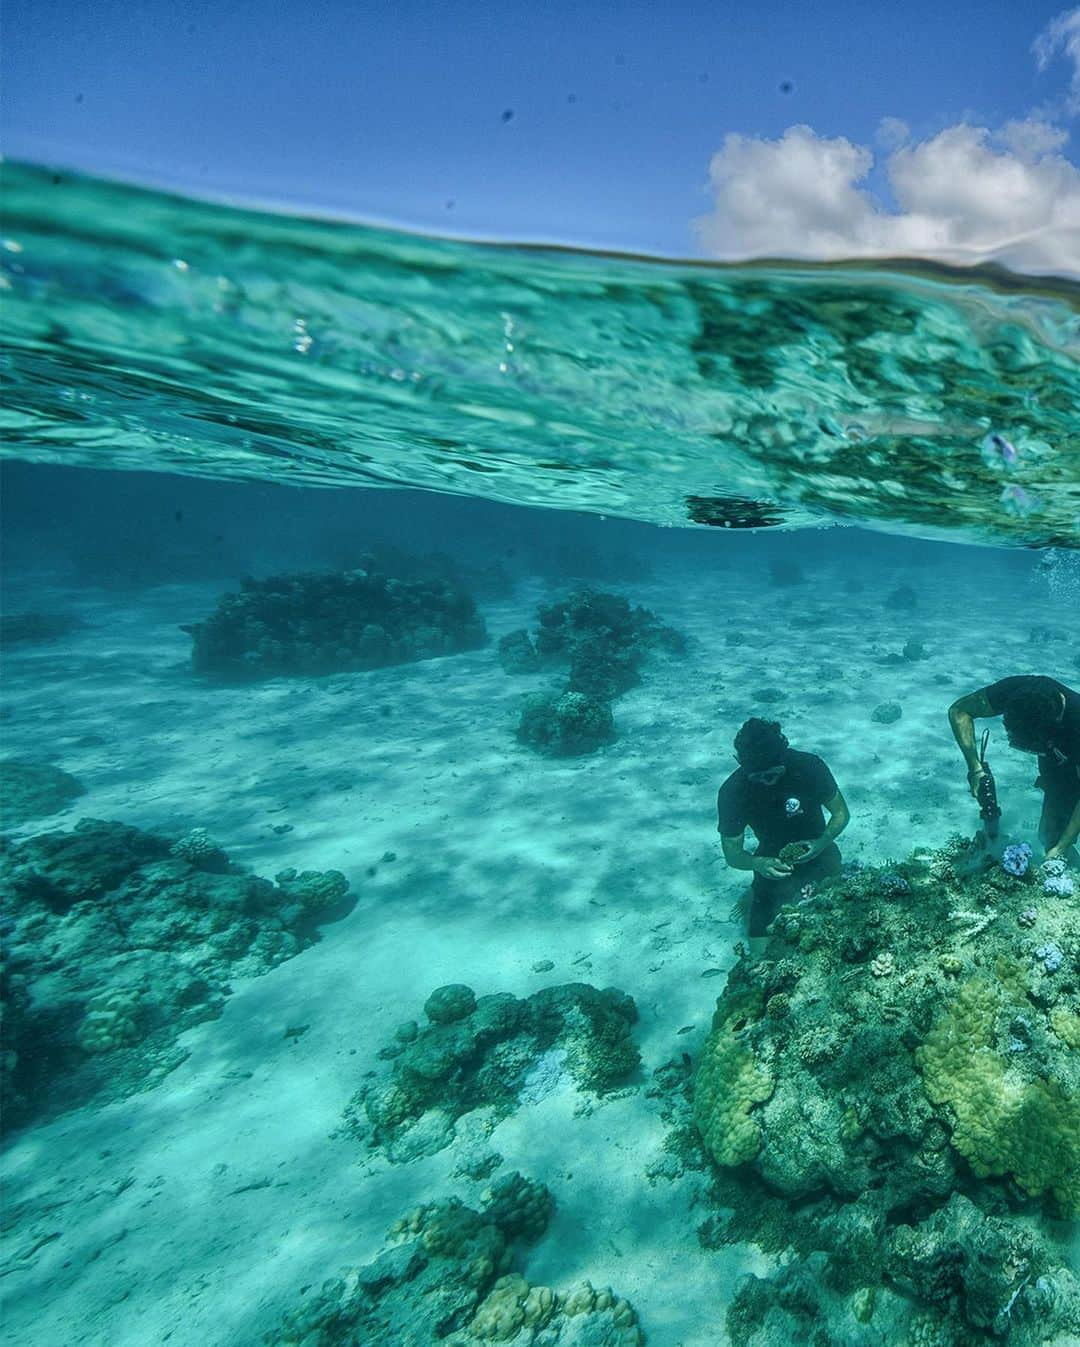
(792, 807)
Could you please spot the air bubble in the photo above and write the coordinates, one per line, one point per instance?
(998, 452)
(1018, 503)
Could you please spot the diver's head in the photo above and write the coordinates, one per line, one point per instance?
(761, 749)
(1031, 720)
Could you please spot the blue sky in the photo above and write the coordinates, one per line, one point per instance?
(401, 112)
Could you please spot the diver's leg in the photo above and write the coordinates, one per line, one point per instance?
(1058, 805)
(1047, 834)
(767, 896)
(764, 905)
(1055, 814)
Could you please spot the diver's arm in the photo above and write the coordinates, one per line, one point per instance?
(839, 818)
(1068, 837)
(962, 716)
(737, 856)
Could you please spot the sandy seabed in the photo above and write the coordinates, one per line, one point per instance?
(194, 1213)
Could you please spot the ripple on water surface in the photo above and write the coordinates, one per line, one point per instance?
(146, 330)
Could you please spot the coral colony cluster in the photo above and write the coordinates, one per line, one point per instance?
(451, 1274)
(118, 940)
(1016, 858)
(333, 623)
(895, 1108)
(605, 642)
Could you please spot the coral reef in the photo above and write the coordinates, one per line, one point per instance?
(199, 849)
(605, 642)
(30, 790)
(886, 713)
(331, 623)
(591, 625)
(117, 940)
(565, 724)
(897, 1106)
(448, 1275)
(1016, 858)
(483, 1053)
(517, 654)
(1056, 880)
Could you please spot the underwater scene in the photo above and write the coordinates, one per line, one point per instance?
(541, 791)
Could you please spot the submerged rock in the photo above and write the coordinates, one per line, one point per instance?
(449, 1003)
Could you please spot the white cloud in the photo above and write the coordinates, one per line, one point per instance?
(967, 194)
(892, 133)
(1032, 137)
(1062, 34)
(964, 195)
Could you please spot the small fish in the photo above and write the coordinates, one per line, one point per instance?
(685, 1029)
(712, 972)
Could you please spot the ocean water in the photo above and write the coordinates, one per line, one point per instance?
(280, 497)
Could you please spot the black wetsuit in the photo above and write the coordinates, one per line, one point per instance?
(1059, 770)
(788, 811)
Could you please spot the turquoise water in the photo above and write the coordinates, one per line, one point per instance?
(365, 916)
(146, 331)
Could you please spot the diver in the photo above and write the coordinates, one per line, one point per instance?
(779, 794)
(1041, 716)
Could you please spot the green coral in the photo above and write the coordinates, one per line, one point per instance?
(1005, 1121)
(730, 1082)
(1065, 1022)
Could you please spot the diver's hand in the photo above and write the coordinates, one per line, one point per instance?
(771, 867)
(814, 847)
(975, 776)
